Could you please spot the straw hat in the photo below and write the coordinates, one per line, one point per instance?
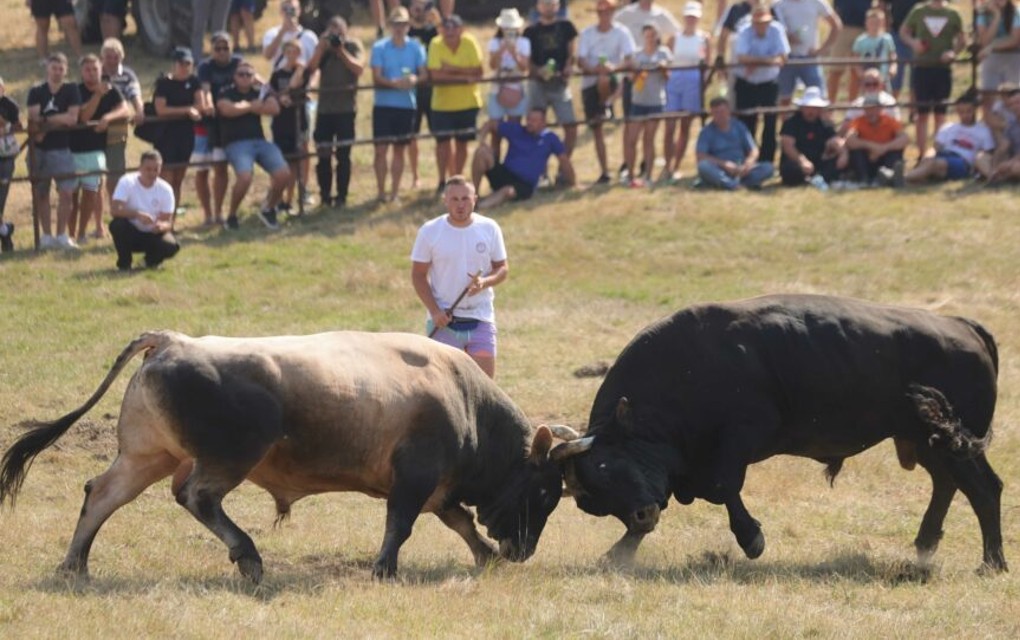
(510, 19)
(812, 98)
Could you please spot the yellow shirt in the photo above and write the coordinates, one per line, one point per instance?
(455, 97)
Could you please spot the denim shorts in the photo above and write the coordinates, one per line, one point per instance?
(480, 341)
(236, 6)
(809, 74)
(88, 162)
(48, 163)
(956, 167)
(641, 110)
(205, 152)
(244, 154)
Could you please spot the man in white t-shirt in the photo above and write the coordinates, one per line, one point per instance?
(456, 261)
(143, 215)
(800, 18)
(289, 29)
(961, 148)
(603, 48)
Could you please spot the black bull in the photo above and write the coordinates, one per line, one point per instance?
(396, 416)
(697, 397)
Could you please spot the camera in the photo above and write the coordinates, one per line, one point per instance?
(335, 40)
(289, 10)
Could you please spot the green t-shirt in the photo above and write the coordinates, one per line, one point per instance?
(936, 28)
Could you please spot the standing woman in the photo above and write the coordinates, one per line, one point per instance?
(683, 89)
(509, 52)
(290, 125)
(178, 96)
(998, 35)
(648, 101)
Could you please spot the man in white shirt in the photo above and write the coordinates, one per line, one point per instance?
(143, 215)
(604, 48)
(457, 259)
(800, 18)
(289, 29)
(961, 148)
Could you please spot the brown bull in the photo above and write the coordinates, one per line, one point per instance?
(395, 416)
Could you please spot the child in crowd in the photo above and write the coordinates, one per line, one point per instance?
(876, 44)
(651, 70)
(683, 90)
(9, 149)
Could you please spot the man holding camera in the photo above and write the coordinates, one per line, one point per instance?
(340, 60)
(289, 29)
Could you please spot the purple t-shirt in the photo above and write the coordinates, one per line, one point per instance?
(528, 154)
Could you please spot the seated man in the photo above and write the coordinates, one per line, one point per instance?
(871, 85)
(810, 144)
(241, 106)
(960, 147)
(143, 215)
(1006, 113)
(875, 146)
(529, 148)
(726, 152)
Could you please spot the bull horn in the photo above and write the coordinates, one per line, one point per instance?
(563, 432)
(570, 449)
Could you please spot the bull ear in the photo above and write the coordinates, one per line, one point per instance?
(541, 444)
(624, 413)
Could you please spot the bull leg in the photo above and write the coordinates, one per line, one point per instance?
(202, 495)
(411, 489)
(943, 488)
(746, 529)
(983, 489)
(126, 478)
(460, 520)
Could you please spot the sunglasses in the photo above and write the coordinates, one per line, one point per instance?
(872, 83)
(223, 48)
(244, 74)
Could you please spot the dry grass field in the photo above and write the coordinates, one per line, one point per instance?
(589, 268)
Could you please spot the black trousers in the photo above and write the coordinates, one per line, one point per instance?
(792, 175)
(749, 96)
(127, 239)
(330, 128)
(865, 170)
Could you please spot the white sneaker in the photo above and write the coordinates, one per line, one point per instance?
(47, 242)
(64, 242)
(818, 182)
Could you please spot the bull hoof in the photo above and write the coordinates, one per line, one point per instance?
(73, 571)
(251, 568)
(993, 566)
(755, 547)
(485, 556)
(384, 570)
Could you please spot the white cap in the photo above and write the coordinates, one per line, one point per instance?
(692, 8)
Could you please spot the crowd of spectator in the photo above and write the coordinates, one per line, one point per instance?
(426, 67)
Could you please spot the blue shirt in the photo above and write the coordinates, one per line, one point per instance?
(774, 43)
(528, 154)
(392, 61)
(733, 145)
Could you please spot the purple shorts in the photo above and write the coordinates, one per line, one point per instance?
(479, 341)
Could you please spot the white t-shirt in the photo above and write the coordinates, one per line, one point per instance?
(616, 45)
(150, 202)
(456, 253)
(689, 51)
(886, 99)
(507, 65)
(800, 18)
(965, 141)
(309, 41)
(634, 18)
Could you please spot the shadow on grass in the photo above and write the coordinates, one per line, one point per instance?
(308, 575)
(711, 567)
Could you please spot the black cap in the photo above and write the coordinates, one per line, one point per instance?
(453, 20)
(182, 54)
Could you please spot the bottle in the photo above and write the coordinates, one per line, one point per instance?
(639, 80)
(550, 68)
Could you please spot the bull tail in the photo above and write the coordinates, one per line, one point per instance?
(18, 459)
(945, 429)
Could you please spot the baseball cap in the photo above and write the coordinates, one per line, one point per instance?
(182, 54)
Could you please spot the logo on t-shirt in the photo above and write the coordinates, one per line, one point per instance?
(481, 247)
(935, 24)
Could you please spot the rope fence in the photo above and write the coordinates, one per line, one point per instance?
(300, 100)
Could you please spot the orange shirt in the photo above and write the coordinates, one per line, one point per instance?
(885, 130)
